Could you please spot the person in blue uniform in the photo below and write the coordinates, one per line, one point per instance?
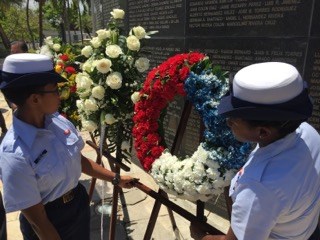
(276, 195)
(40, 156)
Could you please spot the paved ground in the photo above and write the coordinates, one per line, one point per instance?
(133, 217)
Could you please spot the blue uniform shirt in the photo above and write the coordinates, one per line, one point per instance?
(39, 164)
(277, 193)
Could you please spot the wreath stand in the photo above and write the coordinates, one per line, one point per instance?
(116, 165)
(161, 196)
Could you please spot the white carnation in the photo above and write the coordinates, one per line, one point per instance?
(109, 119)
(114, 80)
(89, 125)
(113, 51)
(95, 42)
(135, 97)
(117, 13)
(87, 51)
(103, 34)
(133, 43)
(56, 47)
(142, 64)
(139, 32)
(103, 65)
(98, 92)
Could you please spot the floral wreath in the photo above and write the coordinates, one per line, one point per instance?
(216, 160)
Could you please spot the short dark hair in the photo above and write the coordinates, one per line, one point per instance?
(283, 127)
(22, 45)
(19, 95)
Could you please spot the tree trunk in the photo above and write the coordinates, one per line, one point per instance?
(80, 24)
(28, 25)
(40, 23)
(68, 23)
(4, 38)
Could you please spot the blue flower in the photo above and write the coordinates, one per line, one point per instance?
(205, 91)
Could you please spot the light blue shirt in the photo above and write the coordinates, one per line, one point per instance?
(277, 193)
(39, 164)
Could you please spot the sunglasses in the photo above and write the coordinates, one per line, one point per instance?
(56, 91)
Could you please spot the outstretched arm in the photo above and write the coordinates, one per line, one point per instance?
(93, 169)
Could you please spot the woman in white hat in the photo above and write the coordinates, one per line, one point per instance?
(276, 195)
(40, 158)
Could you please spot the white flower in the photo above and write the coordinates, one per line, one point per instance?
(90, 105)
(87, 66)
(135, 97)
(79, 104)
(109, 119)
(98, 92)
(139, 32)
(83, 80)
(103, 34)
(56, 47)
(142, 64)
(95, 42)
(117, 13)
(87, 51)
(89, 125)
(113, 51)
(103, 65)
(45, 50)
(133, 43)
(114, 80)
(48, 41)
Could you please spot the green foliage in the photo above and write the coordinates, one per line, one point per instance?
(15, 23)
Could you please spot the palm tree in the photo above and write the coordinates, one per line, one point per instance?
(28, 25)
(41, 3)
(4, 5)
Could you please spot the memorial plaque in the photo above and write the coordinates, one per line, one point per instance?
(315, 30)
(102, 14)
(190, 141)
(158, 50)
(234, 53)
(248, 18)
(312, 75)
(168, 17)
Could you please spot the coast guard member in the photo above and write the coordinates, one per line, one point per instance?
(276, 195)
(40, 158)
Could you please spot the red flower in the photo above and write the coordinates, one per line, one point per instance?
(64, 57)
(70, 70)
(161, 86)
(73, 88)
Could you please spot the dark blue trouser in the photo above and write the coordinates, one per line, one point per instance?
(72, 219)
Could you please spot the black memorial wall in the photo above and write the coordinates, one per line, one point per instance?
(233, 33)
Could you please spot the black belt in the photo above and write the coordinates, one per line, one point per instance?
(65, 198)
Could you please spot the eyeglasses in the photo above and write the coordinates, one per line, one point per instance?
(56, 91)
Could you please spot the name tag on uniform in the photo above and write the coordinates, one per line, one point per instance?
(44, 152)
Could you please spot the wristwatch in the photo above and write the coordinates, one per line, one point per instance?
(116, 180)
